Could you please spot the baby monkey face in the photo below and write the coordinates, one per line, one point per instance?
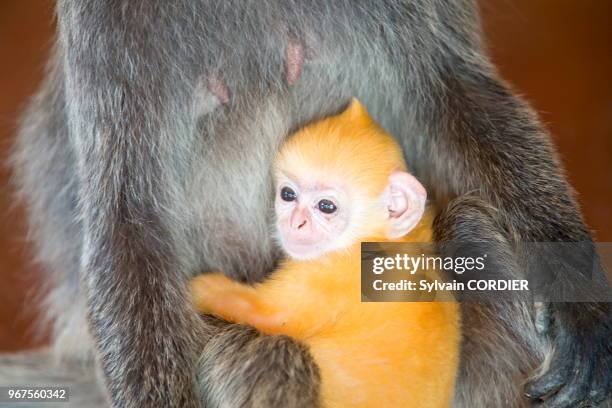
(310, 217)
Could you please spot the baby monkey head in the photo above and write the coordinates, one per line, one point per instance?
(340, 181)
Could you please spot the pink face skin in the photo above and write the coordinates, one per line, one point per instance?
(310, 217)
(313, 218)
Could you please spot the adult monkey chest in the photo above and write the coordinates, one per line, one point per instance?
(247, 102)
(231, 193)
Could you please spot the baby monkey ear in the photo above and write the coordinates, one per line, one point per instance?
(405, 199)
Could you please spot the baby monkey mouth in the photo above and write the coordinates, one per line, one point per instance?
(301, 247)
(301, 243)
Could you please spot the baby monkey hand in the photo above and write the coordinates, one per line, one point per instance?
(216, 294)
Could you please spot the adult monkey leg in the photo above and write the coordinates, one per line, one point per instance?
(240, 367)
(473, 141)
(45, 174)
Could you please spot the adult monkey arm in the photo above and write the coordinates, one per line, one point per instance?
(130, 74)
(580, 355)
(118, 110)
(489, 143)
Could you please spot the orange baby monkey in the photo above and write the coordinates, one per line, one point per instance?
(339, 182)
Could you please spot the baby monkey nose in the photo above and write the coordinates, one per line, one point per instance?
(299, 223)
(299, 219)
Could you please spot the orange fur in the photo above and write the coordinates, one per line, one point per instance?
(370, 354)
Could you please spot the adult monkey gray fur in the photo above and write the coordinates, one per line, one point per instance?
(145, 159)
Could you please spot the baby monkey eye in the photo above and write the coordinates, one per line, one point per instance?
(327, 206)
(288, 194)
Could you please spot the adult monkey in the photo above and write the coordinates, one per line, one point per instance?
(145, 159)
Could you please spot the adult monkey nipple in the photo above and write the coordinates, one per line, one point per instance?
(216, 92)
(294, 55)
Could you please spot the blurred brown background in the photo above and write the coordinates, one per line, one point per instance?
(557, 53)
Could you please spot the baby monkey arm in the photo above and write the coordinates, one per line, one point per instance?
(216, 294)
